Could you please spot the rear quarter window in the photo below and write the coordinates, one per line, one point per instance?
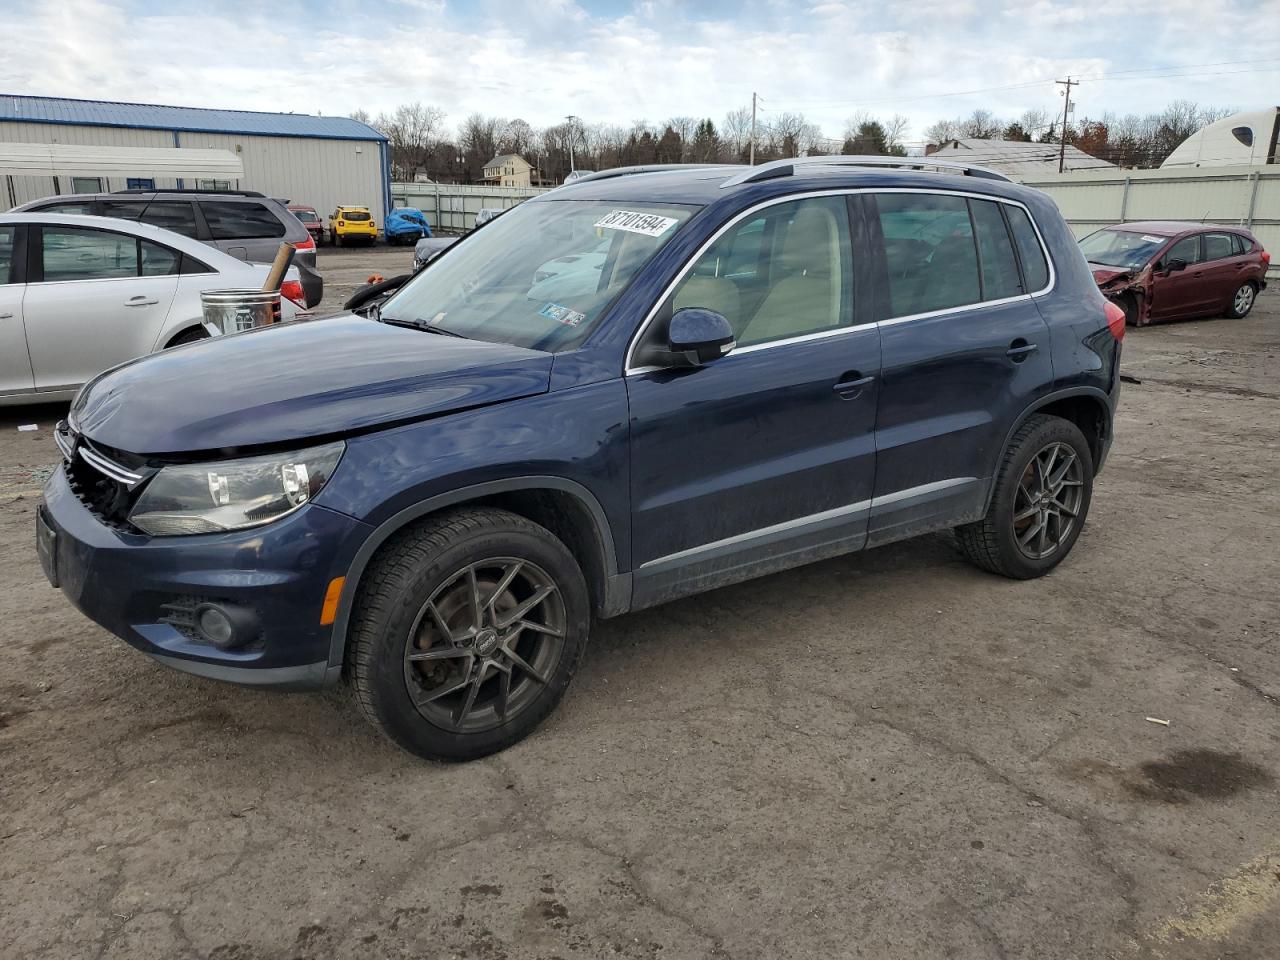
(1035, 269)
(1000, 278)
(240, 221)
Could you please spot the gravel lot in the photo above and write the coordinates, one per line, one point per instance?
(886, 755)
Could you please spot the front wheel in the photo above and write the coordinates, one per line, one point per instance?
(466, 633)
(1242, 301)
(1040, 502)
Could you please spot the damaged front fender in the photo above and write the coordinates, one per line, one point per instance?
(1132, 291)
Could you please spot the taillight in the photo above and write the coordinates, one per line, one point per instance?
(292, 290)
(1115, 320)
(342, 223)
(1266, 259)
(307, 244)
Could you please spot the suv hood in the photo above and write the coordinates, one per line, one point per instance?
(295, 381)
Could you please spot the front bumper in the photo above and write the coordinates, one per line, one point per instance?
(129, 583)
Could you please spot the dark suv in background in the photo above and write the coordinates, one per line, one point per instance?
(245, 224)
(765, 367)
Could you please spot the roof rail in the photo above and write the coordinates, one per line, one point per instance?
(787, 168)
(650, 168)
(230, 193)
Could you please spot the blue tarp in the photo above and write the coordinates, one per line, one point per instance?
(407, 222)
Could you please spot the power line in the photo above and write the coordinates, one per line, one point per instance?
(1159, 73)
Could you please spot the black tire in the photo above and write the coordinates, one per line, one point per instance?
(391, 620)
(1242, 300)
(189, 336)
(384, 288)
(992, 543)
(1129, 304)
(337, 240)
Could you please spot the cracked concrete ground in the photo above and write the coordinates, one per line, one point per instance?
(886, 755)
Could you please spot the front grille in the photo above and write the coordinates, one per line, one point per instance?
(107, 499)
(99, 479)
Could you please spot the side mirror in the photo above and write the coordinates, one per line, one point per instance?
(698, 336)
(1173, 266)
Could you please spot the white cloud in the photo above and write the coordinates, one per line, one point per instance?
(825, 59)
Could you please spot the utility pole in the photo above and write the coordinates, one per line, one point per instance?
(1066, 109)
(752, 160)
(572, 128)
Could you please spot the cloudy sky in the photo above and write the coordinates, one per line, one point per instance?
(619, 61)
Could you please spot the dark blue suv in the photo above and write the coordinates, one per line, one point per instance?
(644, 385)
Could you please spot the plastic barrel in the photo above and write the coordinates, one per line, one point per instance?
(234, 310)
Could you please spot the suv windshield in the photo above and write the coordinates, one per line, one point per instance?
(353, 215)
(504, 283)
(1121, 248)
(306, 216)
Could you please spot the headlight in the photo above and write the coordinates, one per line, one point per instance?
(232, 494)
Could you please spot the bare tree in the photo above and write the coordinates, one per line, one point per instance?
(414, 132)
(941, 131)
(736, 132)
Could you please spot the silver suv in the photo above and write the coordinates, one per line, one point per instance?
(242, 223)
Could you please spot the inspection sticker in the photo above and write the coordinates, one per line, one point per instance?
(650, 224)
(556, 311)
(1152, 239)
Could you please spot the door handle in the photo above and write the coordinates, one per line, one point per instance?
(5, 316)
(850, 385)
(1020, 349)
(140, 301)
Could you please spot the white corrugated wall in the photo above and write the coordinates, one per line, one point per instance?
(319, 173)
(1240, 196)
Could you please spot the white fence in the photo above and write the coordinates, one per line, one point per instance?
(453, 207)
(1242, 196)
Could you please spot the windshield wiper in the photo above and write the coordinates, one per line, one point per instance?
(420, 324)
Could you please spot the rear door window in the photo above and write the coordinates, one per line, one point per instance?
(1218, 246)
(995, 250)
(124, 209)
(929, 250)
(176, 215)
(1238, 247)
(8, 238)
(159, 261)
(229, 220)
(78, 253)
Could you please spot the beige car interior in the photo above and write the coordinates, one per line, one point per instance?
(803, 295)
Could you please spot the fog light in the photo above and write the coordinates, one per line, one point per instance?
(225, 626)
(214, 625)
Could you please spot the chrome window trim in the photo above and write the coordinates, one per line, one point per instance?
(109, 467)
(862, 506)
(630, 370)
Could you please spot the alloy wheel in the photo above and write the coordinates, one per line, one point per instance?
(485, 644)
(1047, 503)
(1243, 299)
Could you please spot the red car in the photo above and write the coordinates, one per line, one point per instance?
(311, 220)
(1170, 270)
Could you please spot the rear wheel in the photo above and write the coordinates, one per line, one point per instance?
(1040, 502)
(1242, 301)
(189, 336)
(466, 633)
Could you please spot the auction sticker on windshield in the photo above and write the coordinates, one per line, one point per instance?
(650, 224)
